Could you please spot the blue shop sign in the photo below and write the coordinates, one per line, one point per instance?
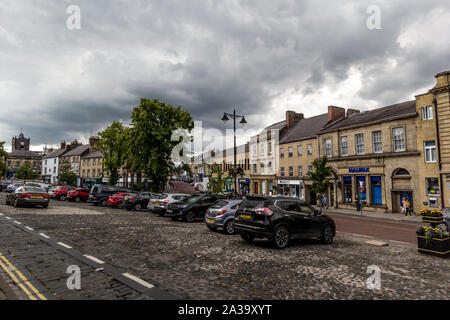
(244, 181)
(358, 170)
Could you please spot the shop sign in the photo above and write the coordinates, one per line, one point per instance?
(229, 180)
(291, 182)
(243, 181)
(358, 170)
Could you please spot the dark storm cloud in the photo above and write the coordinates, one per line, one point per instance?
(259, 57)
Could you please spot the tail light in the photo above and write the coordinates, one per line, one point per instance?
(221, 213)
(96, 196)
(26, 195)
(132, 198)
(166, 202)
(264, 211)
(46, 196)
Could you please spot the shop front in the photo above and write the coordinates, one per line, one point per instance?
(228, 184)
(244, 186)
(291, 188)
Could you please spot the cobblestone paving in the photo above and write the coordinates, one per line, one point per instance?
(194, 263)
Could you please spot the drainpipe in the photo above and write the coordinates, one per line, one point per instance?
(439, 153)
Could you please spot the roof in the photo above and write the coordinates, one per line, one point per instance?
(395, 111)
(24, 154)
(55, 154)
(305, 129)
(279, 125)
(77, 151)
(93, 154)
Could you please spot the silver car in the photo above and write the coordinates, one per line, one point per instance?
(221, 215)
(446, 213)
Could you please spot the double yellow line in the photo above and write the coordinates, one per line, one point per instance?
(31, 292)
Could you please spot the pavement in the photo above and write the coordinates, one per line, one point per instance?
(375, 215)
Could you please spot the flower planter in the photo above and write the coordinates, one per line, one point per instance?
(434, 220)
(434, 246)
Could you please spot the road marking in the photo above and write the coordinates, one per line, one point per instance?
(1, 214)
(138, 280)
(361, 235)
(31, 229)
(44, 235)
(8, 218)
(24, 284)
(17, 222)
(64, 245)
(94, 259)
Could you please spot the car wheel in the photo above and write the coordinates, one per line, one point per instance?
(248, 237)
(45, 206)
(229, 227)
(190, 217)
(63, 198)
(174, 218)
(281, 237)
(327, 234)
(212, 228)
(77, 199)
(138, 207)
(103, 203)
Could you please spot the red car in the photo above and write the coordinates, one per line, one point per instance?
(78, 194)
(61, 193)
(116, 200)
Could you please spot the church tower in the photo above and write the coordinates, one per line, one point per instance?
(20, 143)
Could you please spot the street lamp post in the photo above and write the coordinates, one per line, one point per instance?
(225, 119)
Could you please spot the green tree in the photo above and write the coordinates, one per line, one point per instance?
(3, 156)
(153, 125)
(320, 177)
(26, 172)
(114, 144)
(216, 181)
(67, 176)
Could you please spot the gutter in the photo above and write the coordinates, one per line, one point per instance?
(441, 185)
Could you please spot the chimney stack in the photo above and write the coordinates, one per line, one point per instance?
(63, 144)
(442, 79)
(292, 118)
(352, 111)
(94, 141)
(335, 113)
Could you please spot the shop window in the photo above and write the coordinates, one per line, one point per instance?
(432, 185)
(347, 189)
(430, 151)
(362, 189)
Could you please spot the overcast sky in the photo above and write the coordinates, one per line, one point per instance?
(261, 57)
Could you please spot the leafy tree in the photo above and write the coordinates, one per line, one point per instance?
(153, 125)
(3, 156)
(216, 181)
(67, 176)
(26, 172)
(320, 177)
(114, 144)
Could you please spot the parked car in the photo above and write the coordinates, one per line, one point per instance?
(137, 201)
(191, 208)
(116, 200)
(4, 185)
(163, 202)
(78, 194)
(446, 213)
(280, 219)
(52, 190)
(27, 195)
(221, 215)
(100, 193)
(62, 192)
(13, 186)
(153, 200)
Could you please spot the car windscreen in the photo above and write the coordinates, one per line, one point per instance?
(33, 189)
(94, 189)
(179, 197)
(255, 203)
(193, 198)
(163, 196)
(220, 204)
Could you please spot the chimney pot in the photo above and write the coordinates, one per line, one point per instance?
(335, 113)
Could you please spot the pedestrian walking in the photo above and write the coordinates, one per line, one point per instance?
(407, 208)
(358, 204)
(404, 206)
(325, 202)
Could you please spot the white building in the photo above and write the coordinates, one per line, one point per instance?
(50, 165)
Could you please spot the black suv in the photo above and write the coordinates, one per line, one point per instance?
(281, 219)
(100, 193)
(192, 208)
(136, 201)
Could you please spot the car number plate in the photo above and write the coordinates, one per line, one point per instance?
(210, 220)
(36, 197)
(246, 216)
